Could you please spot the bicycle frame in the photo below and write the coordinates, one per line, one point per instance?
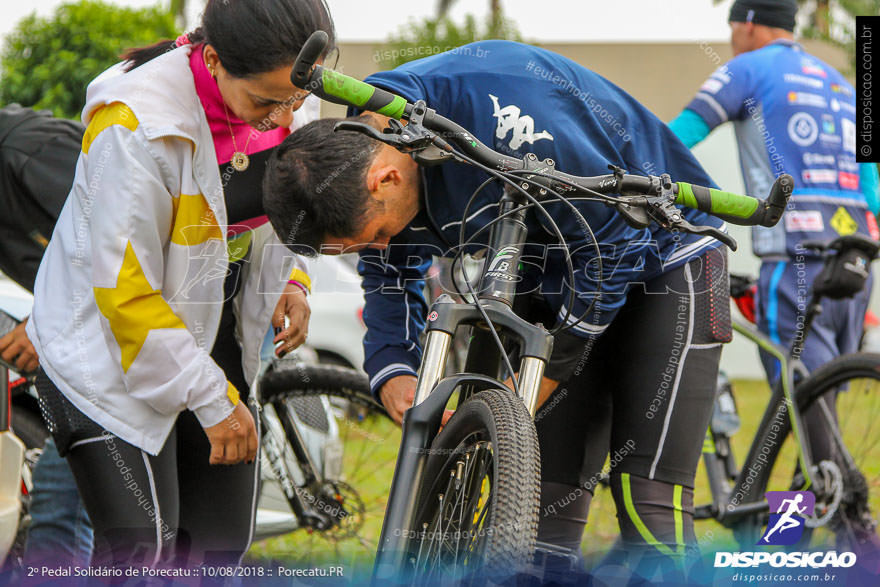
(422, 422)
(725, 508)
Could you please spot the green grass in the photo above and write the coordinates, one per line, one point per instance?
(371, 449)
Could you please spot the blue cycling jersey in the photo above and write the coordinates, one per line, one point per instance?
(518, 99)
(793, 114)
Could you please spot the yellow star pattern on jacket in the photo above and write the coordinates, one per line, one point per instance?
(133, 308)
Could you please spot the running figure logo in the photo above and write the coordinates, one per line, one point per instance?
(786, 525)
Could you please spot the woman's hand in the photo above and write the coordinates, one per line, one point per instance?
(234, 439)
(295, 307)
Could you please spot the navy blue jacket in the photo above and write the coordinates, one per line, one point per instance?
(518, 99)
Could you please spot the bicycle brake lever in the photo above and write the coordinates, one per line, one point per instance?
(370, 131)
(725, 238)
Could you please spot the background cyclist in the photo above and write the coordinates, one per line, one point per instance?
(793, 114)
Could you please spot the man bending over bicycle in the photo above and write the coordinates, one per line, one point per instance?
(637, 366)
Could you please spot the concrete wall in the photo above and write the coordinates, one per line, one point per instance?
(663, 76)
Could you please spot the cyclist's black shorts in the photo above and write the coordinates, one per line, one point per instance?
(643, 391)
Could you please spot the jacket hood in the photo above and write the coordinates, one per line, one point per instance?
(144, 90)
(13, 115)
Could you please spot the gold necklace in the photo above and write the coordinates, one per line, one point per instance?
(240, 160)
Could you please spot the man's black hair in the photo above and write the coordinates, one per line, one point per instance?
(315, 185)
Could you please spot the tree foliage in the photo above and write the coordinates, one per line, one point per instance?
(435, 35)
(834, 21)
(48, 62)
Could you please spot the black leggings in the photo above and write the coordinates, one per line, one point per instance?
(173, 508)
(169, 509)
(643, 393)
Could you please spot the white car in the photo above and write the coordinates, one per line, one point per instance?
(336, 328)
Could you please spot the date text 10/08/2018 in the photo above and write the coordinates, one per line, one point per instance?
(202, 571)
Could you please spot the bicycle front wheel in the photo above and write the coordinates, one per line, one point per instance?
(477, 513)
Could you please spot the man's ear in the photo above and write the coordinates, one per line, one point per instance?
(381, 180)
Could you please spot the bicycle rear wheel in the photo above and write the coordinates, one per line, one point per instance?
(355, 450)
(477, 514)
(847, 488)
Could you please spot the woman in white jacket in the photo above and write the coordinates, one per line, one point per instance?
(162, 277)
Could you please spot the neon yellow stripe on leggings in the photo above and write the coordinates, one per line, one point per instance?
(637, 521)
(679, 525)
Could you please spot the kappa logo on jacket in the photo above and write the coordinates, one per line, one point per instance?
(523, 127)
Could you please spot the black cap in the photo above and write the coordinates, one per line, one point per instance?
(773, 13)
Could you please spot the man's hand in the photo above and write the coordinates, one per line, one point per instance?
(294, 305)
(397, 395)
(16, 349)
(234, 439)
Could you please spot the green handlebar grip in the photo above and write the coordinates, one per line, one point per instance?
(350, 91)
(735, 208)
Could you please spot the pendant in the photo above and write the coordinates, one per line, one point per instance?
(240, 161)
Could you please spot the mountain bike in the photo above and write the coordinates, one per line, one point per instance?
(465, 500)
(847, 391)
(315, 457)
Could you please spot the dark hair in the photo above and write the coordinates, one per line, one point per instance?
(315, 185)
(251, 36)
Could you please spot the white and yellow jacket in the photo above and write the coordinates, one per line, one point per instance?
(129, 293)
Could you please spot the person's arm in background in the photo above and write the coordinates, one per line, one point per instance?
(869, 180)
(689, 128)
(726, 95)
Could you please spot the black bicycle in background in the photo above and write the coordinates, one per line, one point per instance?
(464, 502)
(846, 391)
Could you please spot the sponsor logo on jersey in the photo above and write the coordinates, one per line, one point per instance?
(841, 89)
(828, 124)
(848, 130)
(838, 105)
(819, 175)
(802, 129)
(795, 78)
(712, 85)
(829, 130)
(873, 230)
(817, 159)
(843, 223)
(848, 181)
(847, 163)
(808, 221)
(810, 67)
(722, 74)
(807, 99)
(520, 128)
